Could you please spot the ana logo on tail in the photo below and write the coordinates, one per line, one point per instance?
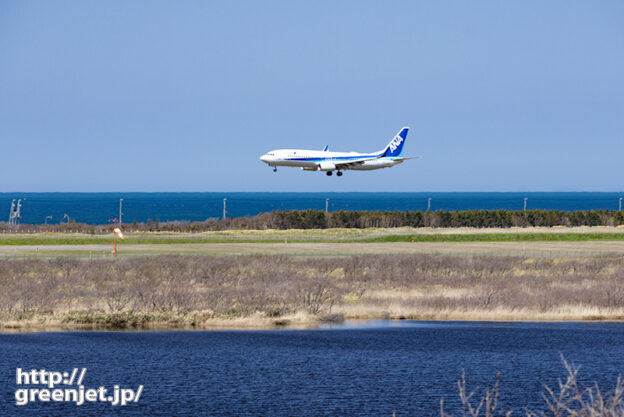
(395, 147)
(395, 143)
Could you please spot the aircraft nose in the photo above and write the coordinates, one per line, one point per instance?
(264, 158)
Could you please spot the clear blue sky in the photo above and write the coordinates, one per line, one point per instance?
(185, 96)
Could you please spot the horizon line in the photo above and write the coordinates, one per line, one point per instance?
(307, 192)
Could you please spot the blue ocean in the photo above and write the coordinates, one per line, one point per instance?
(99, 208)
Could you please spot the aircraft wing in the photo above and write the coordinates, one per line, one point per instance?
(353, 162)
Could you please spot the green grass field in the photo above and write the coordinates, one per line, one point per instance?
(502, 237)
(322, 236)
(532, 242)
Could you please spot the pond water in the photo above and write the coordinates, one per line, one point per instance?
(365, 369)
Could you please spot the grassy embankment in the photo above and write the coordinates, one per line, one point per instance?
(247, 291)
(269, 291)
(528, 242)
(373, 235)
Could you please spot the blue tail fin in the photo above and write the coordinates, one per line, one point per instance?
(395, 147)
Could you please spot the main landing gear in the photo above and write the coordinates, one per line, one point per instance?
(338, 173)
(329, 173)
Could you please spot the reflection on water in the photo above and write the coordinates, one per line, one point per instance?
(355, 368)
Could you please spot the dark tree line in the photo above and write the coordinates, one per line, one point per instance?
(317, 219)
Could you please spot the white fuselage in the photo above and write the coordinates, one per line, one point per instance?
(310, 160)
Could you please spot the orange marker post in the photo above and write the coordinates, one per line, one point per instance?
(117, 232)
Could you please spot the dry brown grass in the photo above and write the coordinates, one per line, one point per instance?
(568, 399)
(263, 290)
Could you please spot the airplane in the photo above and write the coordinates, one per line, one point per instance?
(310, 160)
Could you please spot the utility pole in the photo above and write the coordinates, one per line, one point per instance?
(224, 209)
(525, 203)
(327, 205)
(11, 211)
(620, 208)
(46, 219)
(428, 204)
(18, 211)
(64, 216)
(120, 200)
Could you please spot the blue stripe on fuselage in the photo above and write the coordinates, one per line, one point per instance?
(343, 158)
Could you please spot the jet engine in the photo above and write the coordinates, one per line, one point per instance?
(327, 166)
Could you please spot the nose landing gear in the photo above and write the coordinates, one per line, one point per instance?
(274, 169)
